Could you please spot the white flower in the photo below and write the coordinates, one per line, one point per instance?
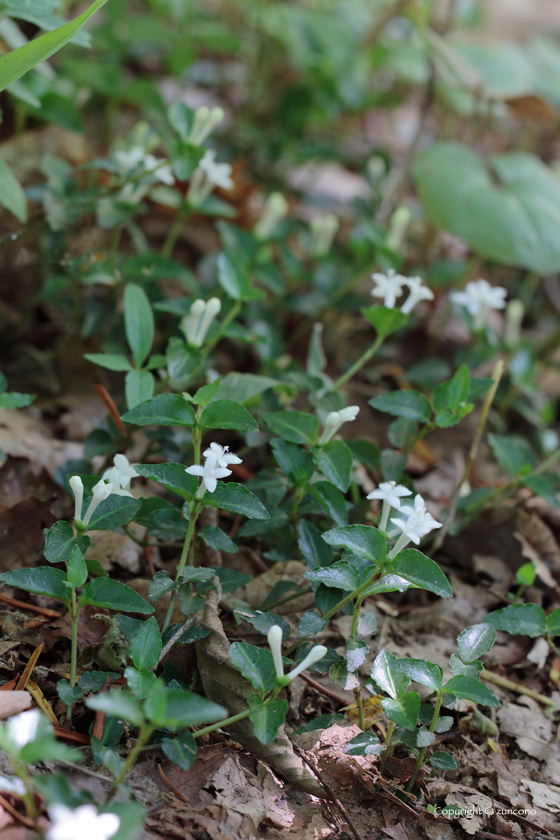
(130, 159)
(222, 455)
(417, 292)
(323, 230)
(478, 298)
(120, 475)
(390, 493)
(22, 728)
(160, 169)
(137, 158)
(315, 654)
(101, 491)
(196, 324)
(83, 823)
(275, 637)
(211, 471)
(334, 421)
(417, 524)
(388, 286)
(77, 487)
(204, 122)
(275, 209)
(208, 174)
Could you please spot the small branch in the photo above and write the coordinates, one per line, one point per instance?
(332, 795)
(491, 677)
(174, 638)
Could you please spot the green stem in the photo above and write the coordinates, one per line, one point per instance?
(429, 427)
(360, 705)
(358, 365)
(422, 756)
(388, 737)
(182, 563)
(143, 737)
(174, 231)
(220, 723)
(74, 621)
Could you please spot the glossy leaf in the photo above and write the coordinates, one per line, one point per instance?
(341, 575)
(415, 567)
(180, 750)
(113, 512)
(172, 476)
(138, 322)
(410, 404)
(41, 581)
(294, 461)
(421, 671)
(475, 641)
(114, 595)
(60, 542)
(119, 704)
(293, 426)
(255, 664)
(226, 414)
(263, 621)
(404, 709)
(162, 410)
(237, 499)
(471, 689)
(313, 548)
(387, 675)
(443, 761)
(335, 462)
(519, 620)
(361, 540)
(266, 718)
(366, 743)
(145, 645)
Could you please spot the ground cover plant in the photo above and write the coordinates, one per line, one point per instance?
(279, 421)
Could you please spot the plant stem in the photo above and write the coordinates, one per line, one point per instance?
(360, 705)
(182, 563)
(488, 400)
(358, 365)
(422, 756)
(220, 723)
(143, 737)
(388, 737)
(74, 621)
(174, 231)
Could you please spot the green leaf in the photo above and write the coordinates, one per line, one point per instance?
(180, 750)
(255, 664)
(332, 500)
(321, 722)
(334, 459)
(367, 626)
(365, 452)
(294, 462)
(206, 393)
(181, 709)
(118, 704)
(422, 672)
(113, 512)
(225, 414)
(468, 688)
(68, 694)
(60, 542)
(341, 575)
(415, 567)
(231, 579)
(312, 547)
(512, 221)
(77, 570)
(41, 581)
(513, 453)
(293, 426)
(15, 400)
(138, 322)
(553, 623)
(110, 361)
(443, 761)
(162, 410)
(266, 719)
(361, 540)
(519, 620)
(18, 62)
(310, 624)
(139, 682)
(12, 196)
(461, 669)
(139, 386)
(475, 641)
(145, 645)
(387, 676)
(410, 404)
(216, 539)
(234, 279)
(404, 709)
(547, 485)
(172, 476)
(263, 621)
(385, 321)
(105, 592)
(237, 499)
(356, 653)
(366, 743)
(243, 387)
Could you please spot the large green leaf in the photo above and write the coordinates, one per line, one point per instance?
(173, 476)
(145, 646)
(519, 620)
(105, 592)
(468, 688)
(293, 426)
(410, 404)
(237, 499)
(335, 462)
(226, 414)
(475, 641)
(255, 664)
(60, 542)
(12, 196)
(403, 709)
(162, 410)
(113, 512)
(415, 567)
(267, 718)
(514, 221)
(294, 461)
(138, 322)
(387, 675)
(41, 581)
(18, 62)
(362, 540)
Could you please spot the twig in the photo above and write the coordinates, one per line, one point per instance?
(174, 638)
(24, 679)
(31, 607)
(490, 676)
(331, 794)
(15, 813)
(322, 690)
(167, 781)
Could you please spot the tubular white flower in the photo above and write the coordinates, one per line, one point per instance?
(514, 317)
(274, 211)
(83, 823)
(315, 654)
(222, 455)
(417, 524)
(101, 491)
(334, 421)
(417, 292)
(204, 122)
(388, 286)
(478, 298)
(275, 638)
(390, 493)
(22, 728)
(211, 471)
(208, 174)
(196, 324)
(77, 487)
(323, 231)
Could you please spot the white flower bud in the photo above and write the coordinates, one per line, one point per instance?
(315, 654)
(204, 122)
(101, 491)
(275, 637)
(77, 488)
(323, 230)
(275, 209)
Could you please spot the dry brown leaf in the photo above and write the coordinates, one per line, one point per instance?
(13, 702)
(531, 107)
